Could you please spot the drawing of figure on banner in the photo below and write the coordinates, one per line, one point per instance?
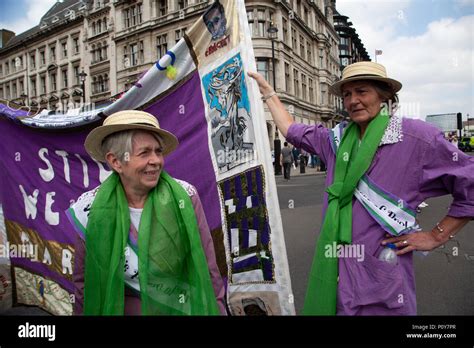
(232, 134)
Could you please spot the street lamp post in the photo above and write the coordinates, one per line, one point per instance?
(82, 76)
(273, 35)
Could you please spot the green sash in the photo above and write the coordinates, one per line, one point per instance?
(352, 161)
(173, 272)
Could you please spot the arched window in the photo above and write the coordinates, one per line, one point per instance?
(93, 53)
(101, 84)
(106, 82)
(104, 49)
(99, 52)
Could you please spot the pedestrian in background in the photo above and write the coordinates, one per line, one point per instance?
(296, 155)
(455, 141)
(304, 158)
(398, 163)
(317, 162)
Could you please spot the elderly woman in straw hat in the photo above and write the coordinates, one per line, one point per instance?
(380, 168)
(144, 245)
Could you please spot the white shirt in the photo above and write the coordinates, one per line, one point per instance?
(131, 258)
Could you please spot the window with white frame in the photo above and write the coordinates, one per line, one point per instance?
(100, 83)
(323, 94)
(161, 45)
(93, 49)
(33, 60)
(309, 53)
(64, 78)
(43, 84)
(52, 53)
(104, 50)
(134, 54)
(262, 68)
(76, 45)
(179, 34)
(182, 4)
(33, 87)
(296, 83)
(98, 52)
(250, 19)
(64, 49)
(136, 14)
(303, 86)
(52, 78)
(302, 50)
(261, 23)
(293, 39)
(76, 75)
(161, 8)
(132, 16)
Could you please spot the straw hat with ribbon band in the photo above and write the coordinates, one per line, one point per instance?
(124, 121)
(365, 71)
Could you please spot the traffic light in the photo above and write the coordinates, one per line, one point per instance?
(459, 115)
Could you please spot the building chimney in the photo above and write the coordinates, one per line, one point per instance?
(5, 36)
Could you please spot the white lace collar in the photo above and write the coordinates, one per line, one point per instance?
(393, 134)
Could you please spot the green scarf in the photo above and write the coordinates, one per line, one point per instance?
(352, 161)
(173, 272)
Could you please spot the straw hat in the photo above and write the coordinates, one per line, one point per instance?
(127, 120)
(365, 71)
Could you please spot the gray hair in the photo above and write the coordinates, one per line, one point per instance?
(385, 91)
(120, 143)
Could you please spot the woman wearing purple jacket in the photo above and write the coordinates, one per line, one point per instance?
(380, 168)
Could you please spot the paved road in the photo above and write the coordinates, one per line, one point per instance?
(444, 283)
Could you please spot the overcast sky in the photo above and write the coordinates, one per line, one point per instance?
(427, 45)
